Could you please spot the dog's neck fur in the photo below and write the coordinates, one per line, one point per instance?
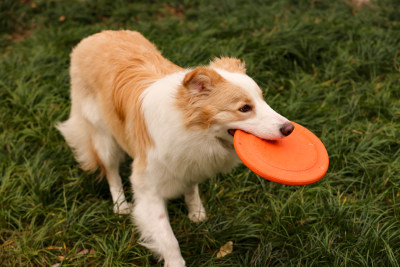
(192, 155)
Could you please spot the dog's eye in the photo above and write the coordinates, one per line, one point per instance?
(245, 108)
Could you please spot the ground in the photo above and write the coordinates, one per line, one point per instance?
(332, 66)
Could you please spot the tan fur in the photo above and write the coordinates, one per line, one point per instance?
(206, 97)
(115, 67)
(96, 163)
(229, 63)
(118, 66)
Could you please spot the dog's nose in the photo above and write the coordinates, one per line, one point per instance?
(287, 128)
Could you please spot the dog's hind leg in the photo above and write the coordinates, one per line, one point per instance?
(109, 157)
(94, 148)
(197, 213)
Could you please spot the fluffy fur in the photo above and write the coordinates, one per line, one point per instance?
(176, 123)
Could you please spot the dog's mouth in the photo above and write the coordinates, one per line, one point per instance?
(232, 131)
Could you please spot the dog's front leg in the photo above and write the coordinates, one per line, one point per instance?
(197, 213)
(150, 215)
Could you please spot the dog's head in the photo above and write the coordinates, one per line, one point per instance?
(222, 97)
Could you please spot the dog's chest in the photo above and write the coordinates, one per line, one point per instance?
(184, 167)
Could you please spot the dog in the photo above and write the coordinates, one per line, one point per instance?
(177, 124)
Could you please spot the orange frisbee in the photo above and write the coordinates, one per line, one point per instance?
(298, 159)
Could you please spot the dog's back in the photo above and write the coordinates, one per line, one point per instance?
(109, 72)
(121, 57)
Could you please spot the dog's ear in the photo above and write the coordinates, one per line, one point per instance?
(201, 79)
(229, 63)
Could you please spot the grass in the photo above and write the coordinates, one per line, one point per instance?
(332, 67)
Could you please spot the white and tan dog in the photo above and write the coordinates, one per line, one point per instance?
(177, 124)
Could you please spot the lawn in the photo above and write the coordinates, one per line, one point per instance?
(327, 65)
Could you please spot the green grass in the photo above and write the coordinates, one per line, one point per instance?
(324, 64)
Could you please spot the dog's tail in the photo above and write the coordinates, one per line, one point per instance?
(78, 134)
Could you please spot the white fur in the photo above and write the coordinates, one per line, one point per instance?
(185, 157)
(182, 158)
(85, 127)
(179, 160)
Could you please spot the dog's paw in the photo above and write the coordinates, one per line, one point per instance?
(198, 216)
(175, 263)
(123, 208)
